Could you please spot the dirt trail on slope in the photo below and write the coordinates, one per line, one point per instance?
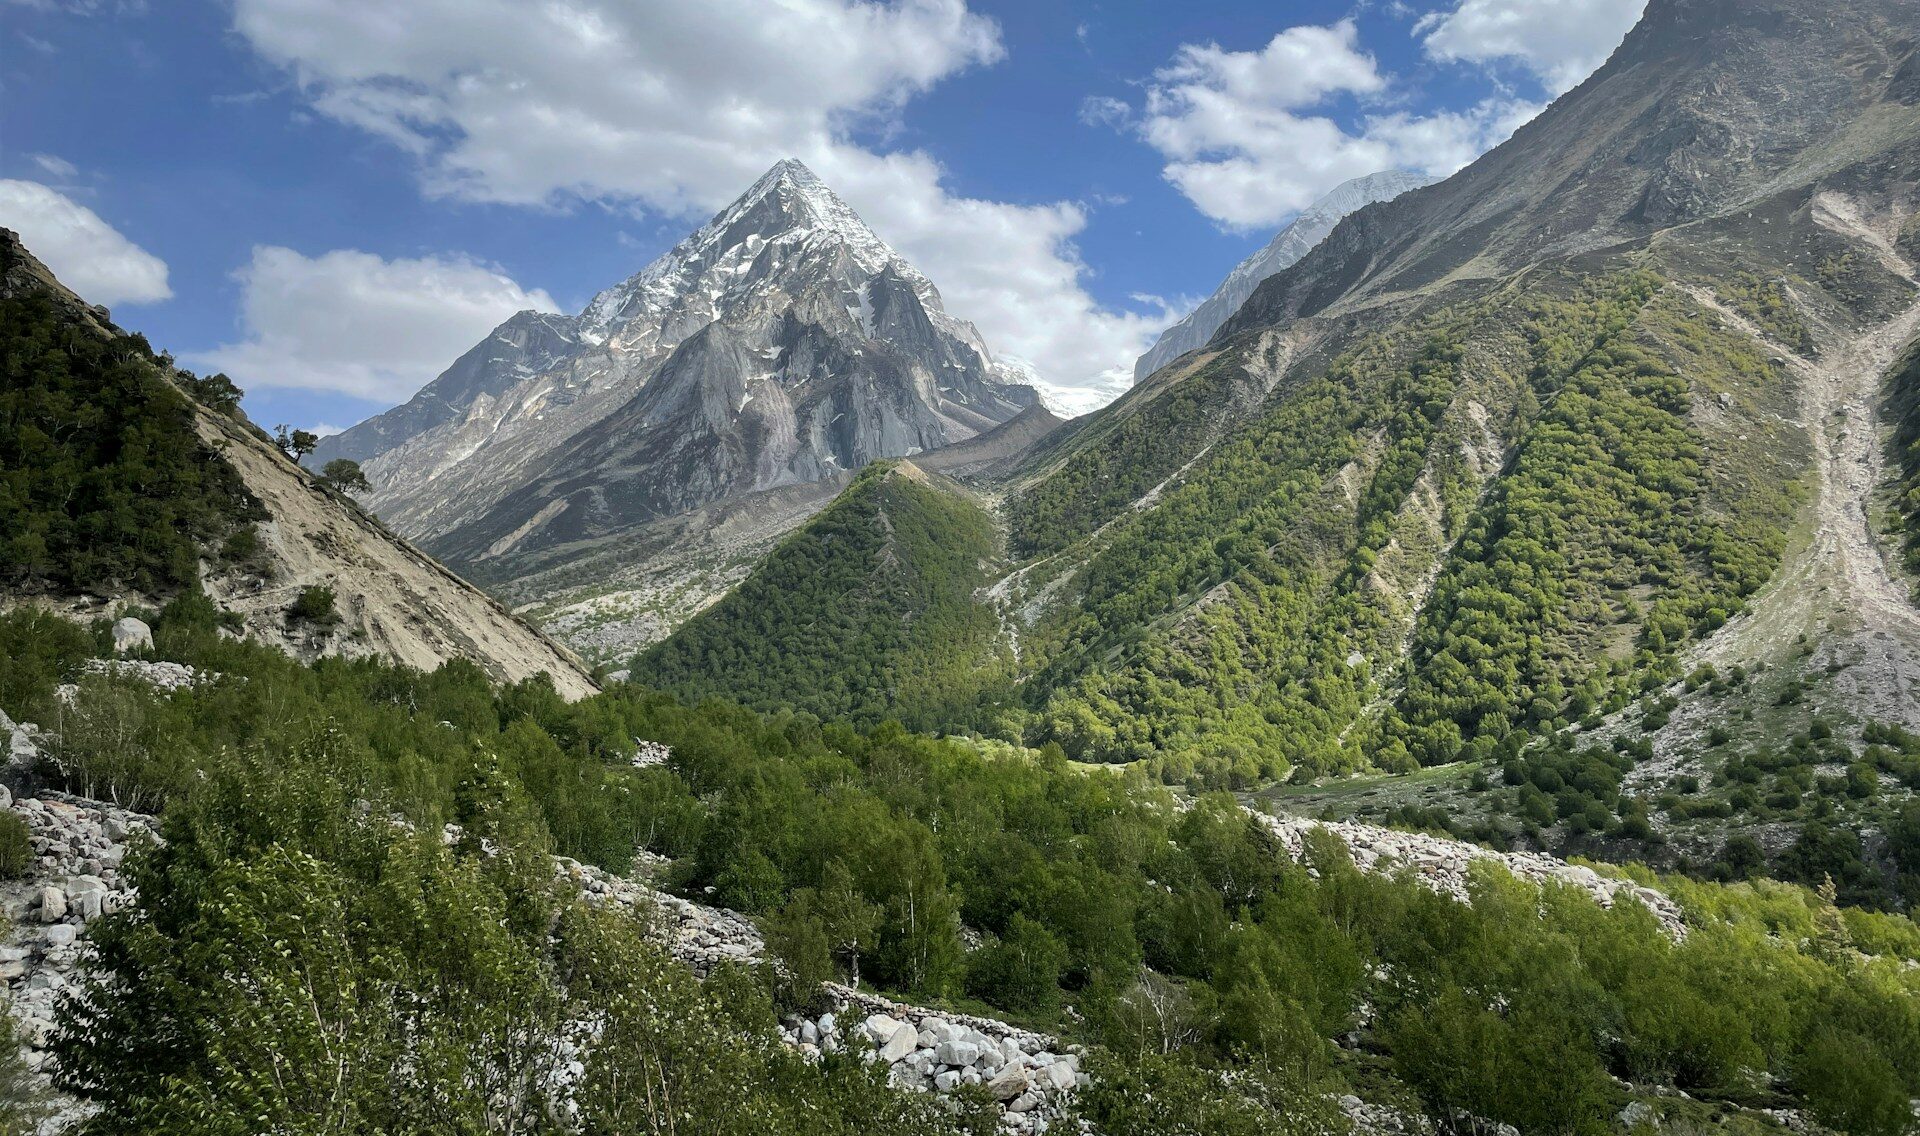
(1839, 586)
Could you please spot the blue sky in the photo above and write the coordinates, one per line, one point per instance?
(330, 199)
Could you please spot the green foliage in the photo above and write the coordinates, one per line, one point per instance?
(296, 444)
(1903, 403)
(23, 1105)
(314, 605)
(866, 613)
(298, 964)
(16, 846)
(1232, 631)
(38, 651)
(1135, 453)
(345, 476)
(1598, 544)
(1177, 1095)
(1766, 303)
(304, 878)
(103, 481)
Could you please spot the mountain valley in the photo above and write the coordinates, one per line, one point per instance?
(1468, 684)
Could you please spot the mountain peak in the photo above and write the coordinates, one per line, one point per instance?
(789, 206)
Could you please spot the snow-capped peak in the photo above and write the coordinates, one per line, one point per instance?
(788, 208)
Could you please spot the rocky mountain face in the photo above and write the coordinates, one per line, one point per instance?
(1582, 446)
(296, 539)
(751, 370)
(780, 344)
(1287, 246)
(525, 345)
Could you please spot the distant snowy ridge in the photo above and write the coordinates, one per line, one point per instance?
(1288, 246)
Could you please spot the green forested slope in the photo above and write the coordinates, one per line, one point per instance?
(868, 612)
(103, 482)
(1221, 988)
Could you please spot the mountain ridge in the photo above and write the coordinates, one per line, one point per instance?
(1291, 243)
(1501, 462)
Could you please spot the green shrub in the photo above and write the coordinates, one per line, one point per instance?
(16, 846)
(315, 606)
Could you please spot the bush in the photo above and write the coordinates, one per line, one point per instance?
(314, 606)
(16, 846)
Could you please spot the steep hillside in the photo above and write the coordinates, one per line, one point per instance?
(1283, 251)
(1508, 456)
(867, 612)
(134, 482)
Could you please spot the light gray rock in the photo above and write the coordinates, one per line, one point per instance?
(901, 1043)
(52, 904)
(130, 634)
(1010, 1082)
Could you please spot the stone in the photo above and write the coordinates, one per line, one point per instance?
(1060, 1075)
(957, 1053)
(903, 1041)
(1638, 1114)
(1010, 1082)
(946, 1080)
(52, 904)
(880, 1028)
(1025, 1102)
(130, 634)
(62, 935)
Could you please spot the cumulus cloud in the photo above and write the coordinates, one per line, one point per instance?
(1248, 139)
(1560, 41)
(676, 108)
(356, 324)
(87, 254)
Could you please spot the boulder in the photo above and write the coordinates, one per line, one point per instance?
(130, 634)
(1009, 1083)
(959, 1054)
(901, 1043)
(52, 904)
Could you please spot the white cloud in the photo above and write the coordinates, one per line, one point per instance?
(676, 108)
(354, 323)
(1243, 143)
(1105, 110)
(1560, 41)
(55, 166)
(87, 254)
